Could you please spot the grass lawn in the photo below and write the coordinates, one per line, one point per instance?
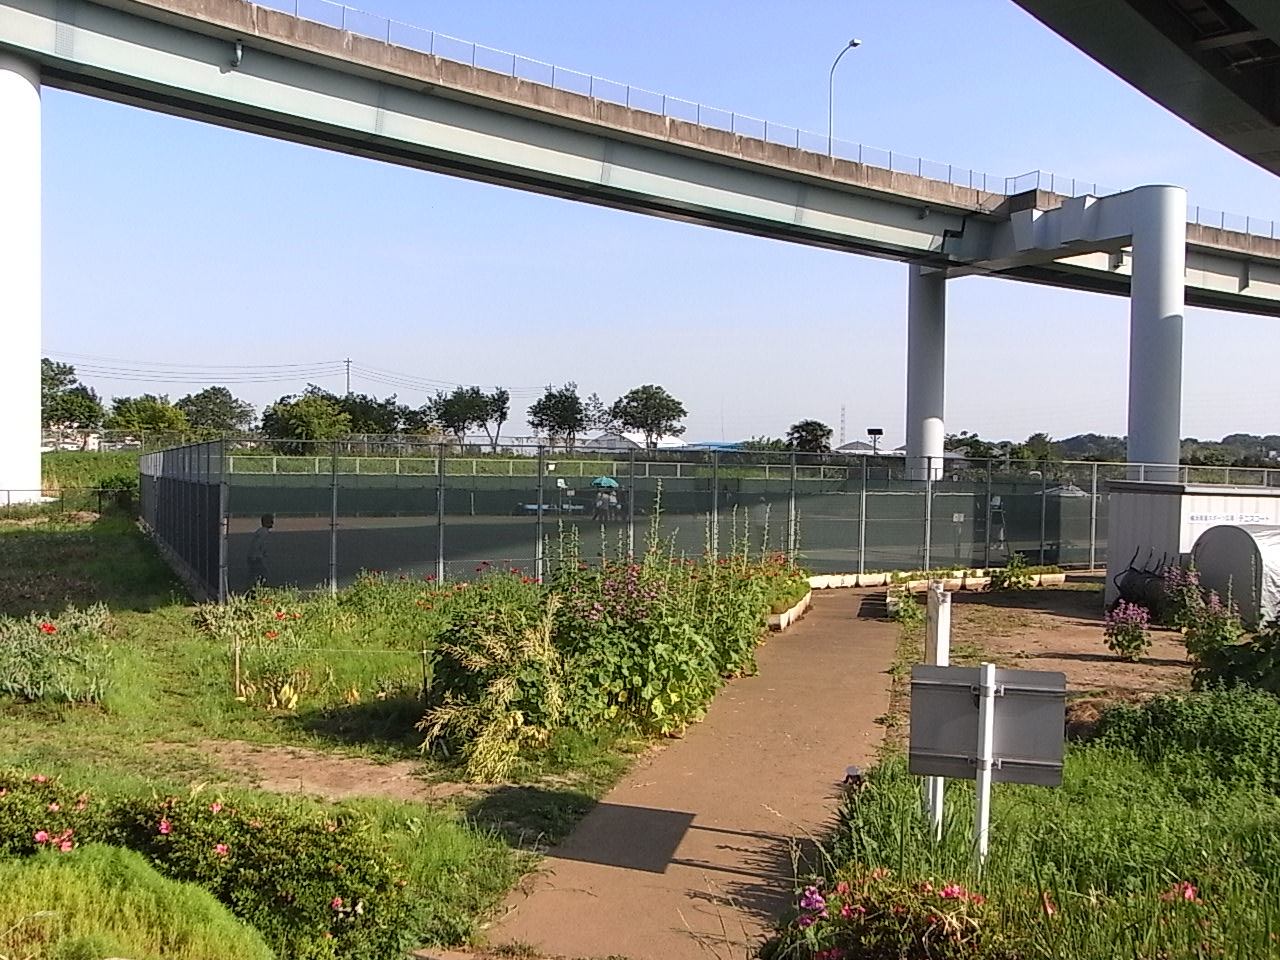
(170, 695)
(1163, 843)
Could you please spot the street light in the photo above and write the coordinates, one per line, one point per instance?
(830, 89)
(875, 433)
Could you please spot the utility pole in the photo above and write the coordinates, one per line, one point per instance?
(842, 419)
(348, 363)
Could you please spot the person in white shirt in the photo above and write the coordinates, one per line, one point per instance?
(258, 552)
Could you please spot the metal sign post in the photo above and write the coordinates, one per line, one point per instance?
(988, 725)
(937, 653)
(985, 760)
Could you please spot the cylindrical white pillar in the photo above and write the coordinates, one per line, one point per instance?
(1156, 298)
(19, 280)
(926, 371)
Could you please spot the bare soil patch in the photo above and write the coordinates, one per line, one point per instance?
(319, 774)
(1050, 629)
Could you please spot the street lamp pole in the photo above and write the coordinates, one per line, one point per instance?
(831, 80)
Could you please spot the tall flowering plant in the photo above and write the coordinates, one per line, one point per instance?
(1127, 630)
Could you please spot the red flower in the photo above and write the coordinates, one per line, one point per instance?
(279, 616)
(48, 628)
(271, 634)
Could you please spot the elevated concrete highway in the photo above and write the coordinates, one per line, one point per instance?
(1215, 63)
(235, 64)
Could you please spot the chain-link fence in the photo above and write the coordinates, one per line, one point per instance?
(182, 501)
(233, 513)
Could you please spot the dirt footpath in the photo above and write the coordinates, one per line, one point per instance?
(1062, 630)
(691, 855)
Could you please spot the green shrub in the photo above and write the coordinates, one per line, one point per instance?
(102, 901)
(317, 882)
(910, 611)
(315, 885)
(1014, 575)
(1228, 735)
(63, 658)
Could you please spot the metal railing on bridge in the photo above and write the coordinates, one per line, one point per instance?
(434, 43)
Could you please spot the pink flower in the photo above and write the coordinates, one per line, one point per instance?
(220, 849)
(335, 903)
(164, 827)
(54, 808)
(1049, 908)
(952, 891)
(215, 807)
(40, 778)
(41, 836)
(842, 887)
(65, 846)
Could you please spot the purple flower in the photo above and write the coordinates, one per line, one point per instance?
(812, 899)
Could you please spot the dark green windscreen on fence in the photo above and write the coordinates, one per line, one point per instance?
(422, 511)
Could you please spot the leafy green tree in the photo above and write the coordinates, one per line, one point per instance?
(764, 444)
(148, 413)
(809, 436)
(313, 416)
(599, 415)
(972, 446)
(459, 411)
(496, 409)
(64, 400)
(560, 414)
(371, 415)
(216, 410)
(652, 411)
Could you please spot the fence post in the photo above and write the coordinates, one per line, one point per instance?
(1044, 509)
(224, 524)
(715, 504)
(631, 506)
(928, 511)
(1093, 520)
(791, 512)
(333, 517)
(537, 547)
(986, 535)
(862, 519)
(440, 513)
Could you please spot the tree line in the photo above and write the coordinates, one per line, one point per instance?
(561, 413)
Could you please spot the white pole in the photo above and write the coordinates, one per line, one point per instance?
(926, 371)
(937, 653)
(1156, 297)
(986, 739)
(20, 278)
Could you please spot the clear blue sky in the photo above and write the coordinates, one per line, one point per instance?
(171, 241)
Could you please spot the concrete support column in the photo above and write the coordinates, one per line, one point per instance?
(1156, 300)
(926, 370)
(19, 280)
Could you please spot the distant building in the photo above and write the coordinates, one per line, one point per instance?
(611, 441)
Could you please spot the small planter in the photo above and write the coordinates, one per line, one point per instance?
(821, 581)
(872, 579)
(780, 621)
(917, 586)
(1052, 579)
(952, 584)
(977, 583)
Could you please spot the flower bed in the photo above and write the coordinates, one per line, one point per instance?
(1164, 841)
